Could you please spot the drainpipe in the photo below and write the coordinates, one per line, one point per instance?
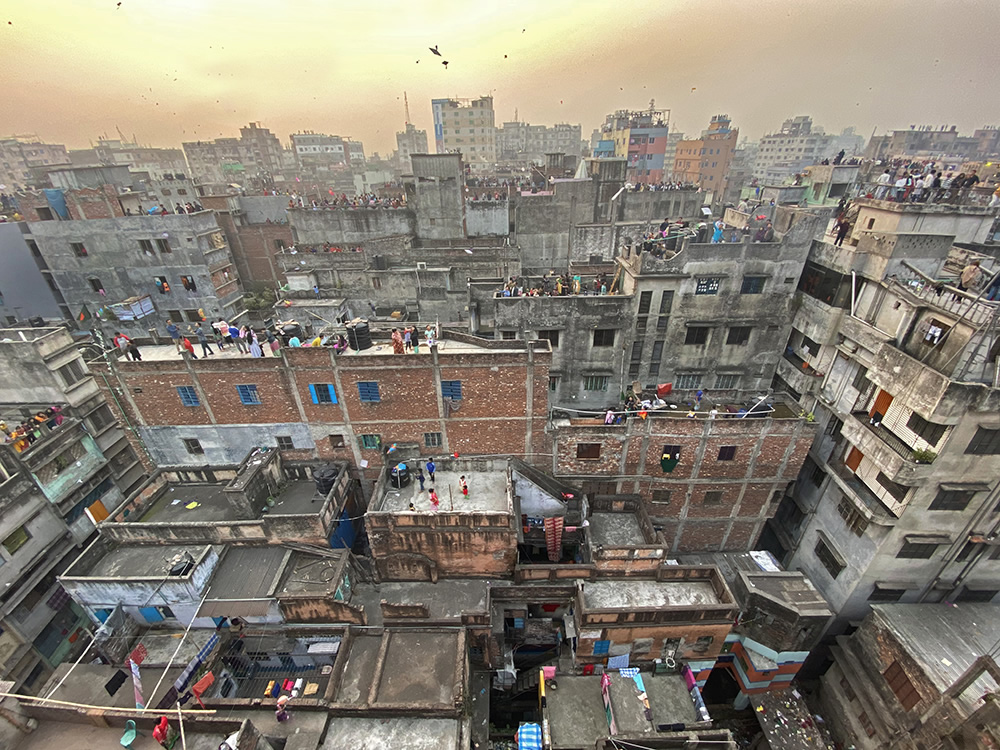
(125, 417)
(854, 293)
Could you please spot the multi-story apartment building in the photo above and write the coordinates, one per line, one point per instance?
(23, 160)
(897, 499)
(521, 142)
(466, 127)
(641, 139)
(157, 162)
(706, 161)
(797, 145)
(54, 487)
(408, 142)
(256, 157)
(130, 273)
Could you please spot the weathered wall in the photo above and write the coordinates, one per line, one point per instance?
(23, 293)
(349, 226)
(487, 218)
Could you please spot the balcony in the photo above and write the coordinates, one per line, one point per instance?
(892, 455)
(868, 501)
(799, 374)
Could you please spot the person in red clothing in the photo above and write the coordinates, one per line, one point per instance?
(464, 485)
(188, 348)
(434, 499)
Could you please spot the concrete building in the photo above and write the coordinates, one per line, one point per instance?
(705, 162)
(641, 139)
(520, 143)
(410, 141)
(157, 162)
(24, 293)
(53, 491)
(466, 127)
(255, 159)
(897, 366)
(916, 675)
(257, 231)
(23, 160)
(132, 273)
(797, 145)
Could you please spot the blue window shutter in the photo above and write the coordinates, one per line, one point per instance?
(102, 614)
(150, 614)
(312, 392)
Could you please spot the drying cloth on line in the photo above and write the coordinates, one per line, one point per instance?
(618, 662)
(116, 681)
(529, 737)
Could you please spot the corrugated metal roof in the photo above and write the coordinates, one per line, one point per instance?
(235, 608)
(244, 582)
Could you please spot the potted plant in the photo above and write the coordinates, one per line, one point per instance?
(924, 455)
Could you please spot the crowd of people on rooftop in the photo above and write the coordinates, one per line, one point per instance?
(362, 200)
(555, 285)
(925, 184)
(647, 187)
(29, 431)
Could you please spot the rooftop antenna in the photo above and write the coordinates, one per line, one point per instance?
(515, 114)
(406, 105)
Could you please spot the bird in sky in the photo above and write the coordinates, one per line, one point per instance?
(434, 49)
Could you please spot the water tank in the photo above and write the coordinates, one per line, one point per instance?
(325, 477)
(359, 337)
(399, 476)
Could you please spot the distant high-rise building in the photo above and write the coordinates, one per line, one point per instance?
(641, 138)
(257, 155)
(410, 141)
(158, 162)
(519, 141)
(797, 145)
(466, 127)
(23, 159)
(705, 162)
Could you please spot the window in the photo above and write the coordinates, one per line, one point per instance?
(553, 383)
(508, 335)
(661, 497)
(687, 382)
(551, 336)
(175, 315)
(641, 323)
(604, 337)
(588, 450)
(727, 453)
(951, 500)
(753, 284)
(72, 372)
(16, 539)
(977, 595)
(189, 396)
(368, 392)
(860, 378)
(901, 686)
(285, 442)
(279, 244)
(376, 282)
(165, 612)
(146, 246)
(713, 497)
(188, 283)
(163, 246)
(96, 285)
(985, 442)
(661, 323)
(916, 550)
(451, 389)
(696, 335)
(595, 383)
(432, 439)
(322, 393)
(855, 520)
(866, 723)
(162, 285)
(248, 394)
(193, 316)
(707, 285)
(727, 382)
(645, 300)
(929, 431)
(193, 446)
(78, 249)
(848, 690)
(371, 442)
(828, 558)
(336, 441)
(897, 491)
(738, 335)
(100, 418)
(666, 302)
(880, 594)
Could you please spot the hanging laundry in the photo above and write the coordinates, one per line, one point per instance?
(553, 537)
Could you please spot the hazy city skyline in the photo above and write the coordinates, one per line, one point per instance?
(199, 69)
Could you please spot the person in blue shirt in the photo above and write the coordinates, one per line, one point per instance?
(430, 470)
(175, 335)
(241, 344)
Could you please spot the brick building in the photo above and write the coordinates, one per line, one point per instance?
(723, 479)
(465, 395)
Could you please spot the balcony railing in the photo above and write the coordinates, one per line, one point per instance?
(860, 490)
(887, 436)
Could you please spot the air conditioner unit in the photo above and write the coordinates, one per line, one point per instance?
(421, 266)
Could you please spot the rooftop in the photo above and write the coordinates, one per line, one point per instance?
(787, 722)
(447, 599)
(172, 505)
(576, 711)
(636, 594)
(85, 683)
(945, 639)
(244, 581)
(419, 668)
(398, 732)
(615, 530)
(136, 561)
(487, 493)
(312, 574)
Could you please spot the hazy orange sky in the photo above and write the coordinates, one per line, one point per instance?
(188, 69)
